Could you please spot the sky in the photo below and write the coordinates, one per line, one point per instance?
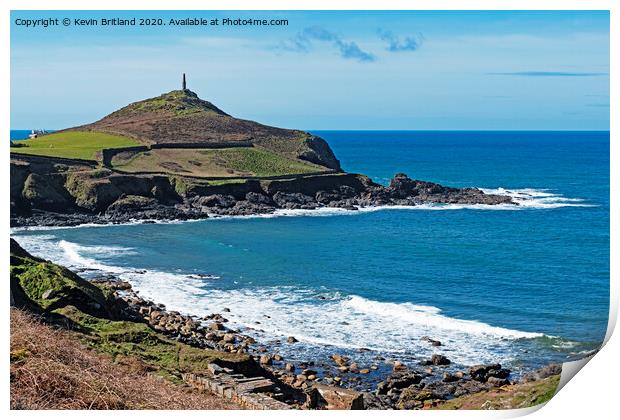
(338, 70)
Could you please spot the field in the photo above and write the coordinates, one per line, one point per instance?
(72, 144)
(231, 162)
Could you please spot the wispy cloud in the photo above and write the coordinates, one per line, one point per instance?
(347, 49)
(395, 44)
(548, 74)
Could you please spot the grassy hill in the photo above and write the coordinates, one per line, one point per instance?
(72, 144)
(180, 116)
(172, 124)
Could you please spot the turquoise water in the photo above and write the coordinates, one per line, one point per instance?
(521, 285)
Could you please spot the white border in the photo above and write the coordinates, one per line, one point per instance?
(592, 394)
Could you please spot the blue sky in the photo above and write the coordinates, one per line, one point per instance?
(435, 70)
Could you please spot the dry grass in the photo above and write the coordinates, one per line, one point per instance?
(51, 369)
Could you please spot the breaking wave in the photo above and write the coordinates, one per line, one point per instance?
(538, 198)
(320, 319)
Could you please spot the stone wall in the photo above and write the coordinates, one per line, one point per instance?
(52, 160)
(202, 145)
(108, 154)
(249, 392)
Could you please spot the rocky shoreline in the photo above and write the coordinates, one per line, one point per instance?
(425, 385)
(209, 351)
(344, 191)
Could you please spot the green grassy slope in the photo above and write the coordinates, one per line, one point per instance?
(260, 162)
(232, 162)
(72, 144)
(181, 116)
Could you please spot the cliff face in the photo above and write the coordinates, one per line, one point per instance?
(47, 193)
(43, 185)
(181, 117)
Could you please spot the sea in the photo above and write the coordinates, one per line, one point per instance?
(523, 285)
(20, 134)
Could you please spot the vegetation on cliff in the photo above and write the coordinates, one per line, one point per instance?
(92, 190)
(90, 314)
(39, 283)
(521, 395)
(162, 355)
(177, 102)
(194, 161)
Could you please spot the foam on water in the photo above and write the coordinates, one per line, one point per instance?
(538, 198)
(73, 255)
(318, 318)
(525, 198)
(430, 316)
(80, 257)
(346, 322)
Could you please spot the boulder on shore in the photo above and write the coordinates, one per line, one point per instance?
(340, 360)
(436, 360)
(334, 398)
(482, 373)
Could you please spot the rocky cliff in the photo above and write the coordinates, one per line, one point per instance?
(47, 193)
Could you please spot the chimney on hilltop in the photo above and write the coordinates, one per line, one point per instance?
(184, 82)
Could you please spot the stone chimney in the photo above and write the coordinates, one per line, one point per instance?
(184, 82)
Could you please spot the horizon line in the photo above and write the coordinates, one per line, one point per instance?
(415, 129)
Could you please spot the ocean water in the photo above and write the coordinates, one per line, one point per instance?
(19, 134)
(521, 285)
(22, 134)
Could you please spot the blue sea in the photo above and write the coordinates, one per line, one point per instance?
(20, 134)
(521, 285)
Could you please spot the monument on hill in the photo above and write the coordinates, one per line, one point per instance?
(184, 82)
